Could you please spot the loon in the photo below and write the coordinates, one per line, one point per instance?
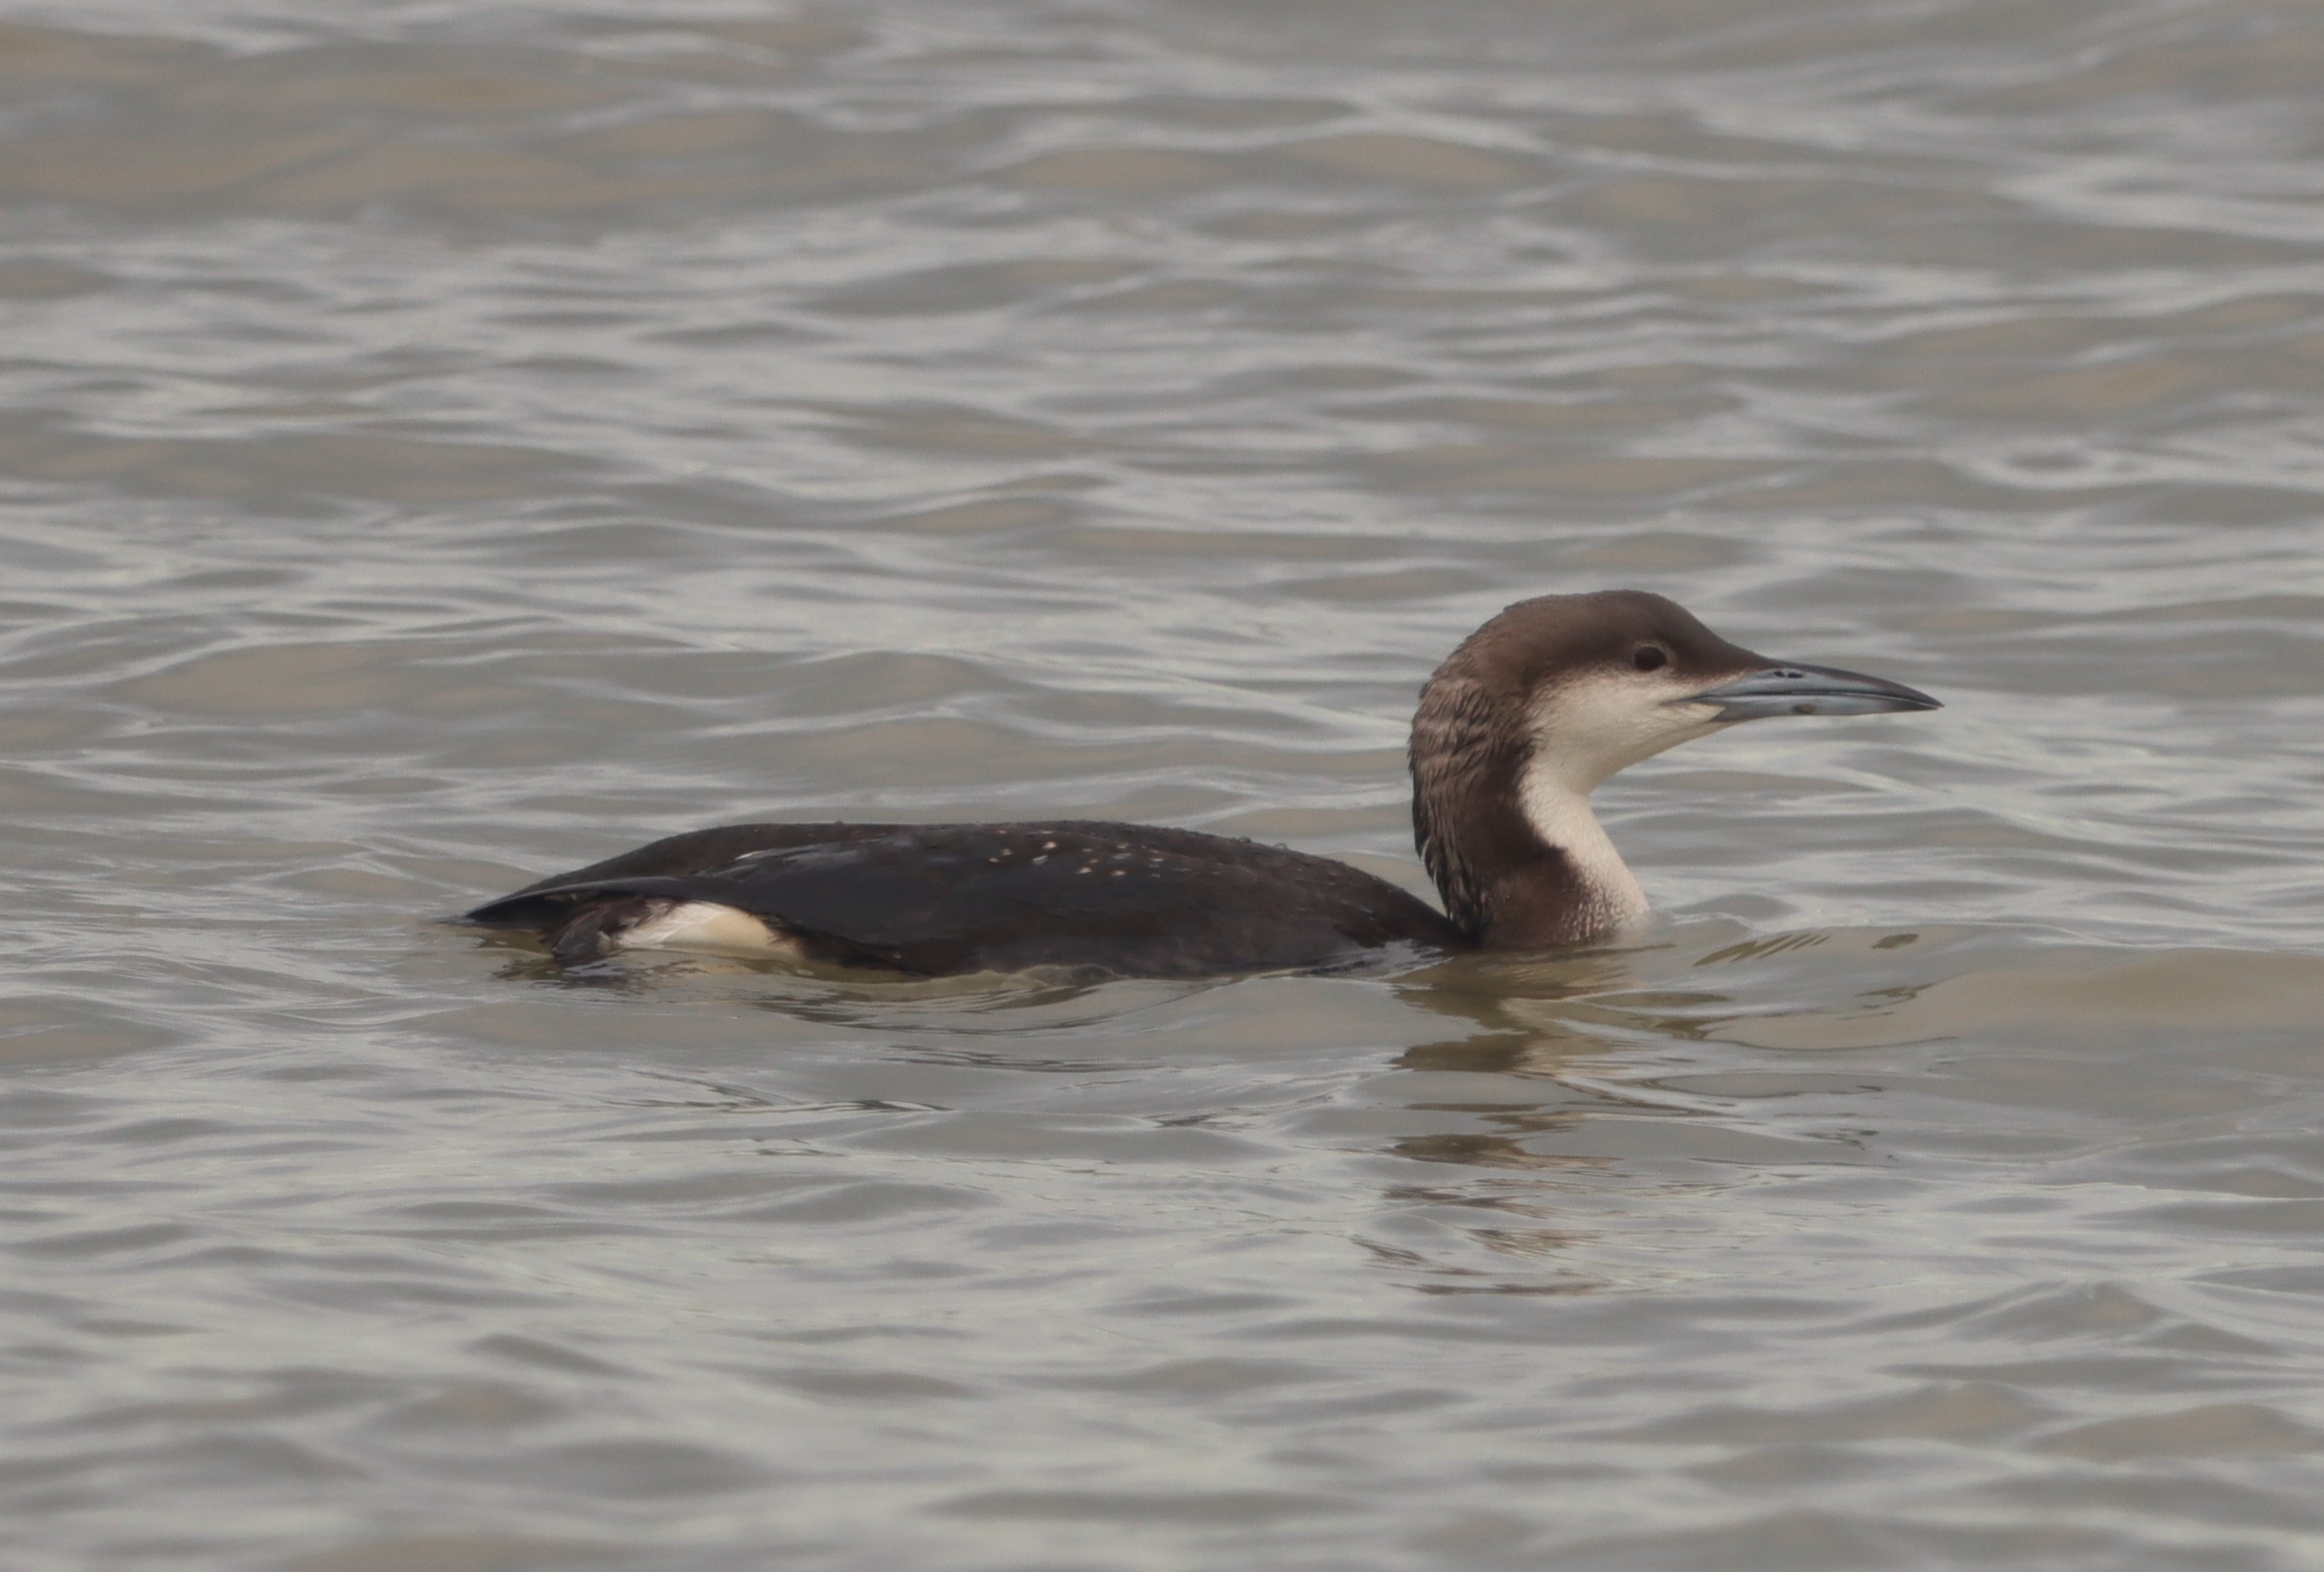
(1530, 713)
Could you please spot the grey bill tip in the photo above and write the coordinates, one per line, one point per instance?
(1787, 687)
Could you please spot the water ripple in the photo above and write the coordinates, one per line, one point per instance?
(442, 444)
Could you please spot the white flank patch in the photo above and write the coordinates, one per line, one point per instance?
(705, 925)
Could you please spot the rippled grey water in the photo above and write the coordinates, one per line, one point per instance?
(446, 443)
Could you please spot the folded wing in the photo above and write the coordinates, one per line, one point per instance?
(936, 899)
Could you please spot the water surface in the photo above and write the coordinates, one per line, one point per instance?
(446, 444)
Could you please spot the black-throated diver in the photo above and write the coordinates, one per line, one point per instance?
(1513, 731)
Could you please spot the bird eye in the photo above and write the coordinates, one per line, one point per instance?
(1648, 658)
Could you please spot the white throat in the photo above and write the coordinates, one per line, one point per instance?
(1560, 815)
(1585, 731)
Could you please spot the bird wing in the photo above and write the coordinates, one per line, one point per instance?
(944, 898)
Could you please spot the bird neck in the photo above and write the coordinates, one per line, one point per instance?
(1518, 857)
(1600, 892)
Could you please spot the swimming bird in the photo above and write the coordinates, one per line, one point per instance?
(1514, 731)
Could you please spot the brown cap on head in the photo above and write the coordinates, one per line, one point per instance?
(1551, 637)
